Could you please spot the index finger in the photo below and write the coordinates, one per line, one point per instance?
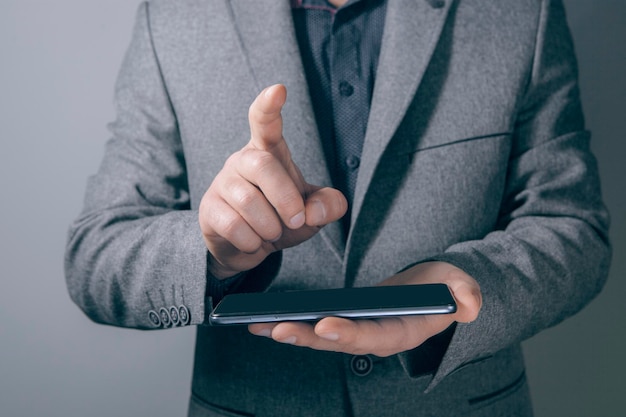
(266, 122)
(266, 130)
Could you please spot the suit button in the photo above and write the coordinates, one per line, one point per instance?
(174, 315)
(361, 365)
(165, 317)
(154, 318)
(183, 314)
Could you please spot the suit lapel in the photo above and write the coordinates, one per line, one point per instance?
(268, 40)
(412, 30)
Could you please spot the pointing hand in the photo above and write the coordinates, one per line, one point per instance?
(259, 202)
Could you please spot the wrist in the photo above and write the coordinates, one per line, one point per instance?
(217, 270)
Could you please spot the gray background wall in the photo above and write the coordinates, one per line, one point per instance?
(58, 62)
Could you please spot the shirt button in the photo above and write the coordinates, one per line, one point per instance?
(361, 365)
(346, 89)
(353, 162)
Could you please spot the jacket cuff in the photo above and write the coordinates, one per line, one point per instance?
(257, 279)
(426, 358)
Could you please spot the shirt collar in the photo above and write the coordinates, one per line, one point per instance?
(317, 4)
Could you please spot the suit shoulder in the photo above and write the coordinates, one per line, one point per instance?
(185, 11)
(181, 21)
(507, 18)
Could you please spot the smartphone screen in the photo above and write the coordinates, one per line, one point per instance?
(307, 305)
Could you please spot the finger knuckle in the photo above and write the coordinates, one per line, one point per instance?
(241, 195)
(204, 213)
(232, 161)
(259, 161)
(230, 227)
(255, 111)
(289, 202)
(225, 224)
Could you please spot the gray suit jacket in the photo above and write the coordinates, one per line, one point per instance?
(475, 154)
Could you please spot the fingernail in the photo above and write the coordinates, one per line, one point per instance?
(264, 333)
(333, 337)
(290, 340)
(276, 239)
(297, 221)
(268, 90)
(319, 214)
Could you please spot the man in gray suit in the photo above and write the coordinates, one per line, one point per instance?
(453, 133)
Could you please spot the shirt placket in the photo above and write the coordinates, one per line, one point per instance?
(348, 95)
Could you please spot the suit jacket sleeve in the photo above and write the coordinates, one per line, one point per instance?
(137, 247)
(550, 253)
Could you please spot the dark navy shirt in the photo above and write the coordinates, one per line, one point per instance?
(340, 49)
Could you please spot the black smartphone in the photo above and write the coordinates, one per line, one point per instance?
(307, 305)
